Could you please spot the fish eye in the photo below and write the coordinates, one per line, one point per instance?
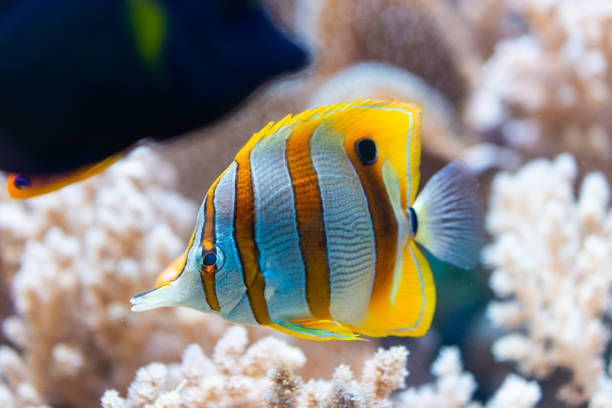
(22, 182)
(207, 258)
(366, 150)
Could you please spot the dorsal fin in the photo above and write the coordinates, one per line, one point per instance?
(402, 140)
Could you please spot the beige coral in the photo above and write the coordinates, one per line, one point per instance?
(552, 260)
(419, 36)
(263, 373)
(228, 379)
(454, 388)
(201, 381)
(86, 250)
(16, 389)
(548, 88)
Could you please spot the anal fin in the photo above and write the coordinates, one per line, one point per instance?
(405, 306)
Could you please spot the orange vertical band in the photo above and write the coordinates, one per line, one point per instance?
(244, 230)
(207, 275)
(309, 216)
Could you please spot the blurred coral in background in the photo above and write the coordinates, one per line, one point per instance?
(552, 254)
(502, 83)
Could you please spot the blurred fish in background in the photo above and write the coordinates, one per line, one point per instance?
(82, 81)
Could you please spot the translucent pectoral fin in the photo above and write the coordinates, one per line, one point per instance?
(450, 216)
(319, 330)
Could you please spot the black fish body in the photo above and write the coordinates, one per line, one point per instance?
(81, 81)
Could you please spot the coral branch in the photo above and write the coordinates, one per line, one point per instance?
(552, 255)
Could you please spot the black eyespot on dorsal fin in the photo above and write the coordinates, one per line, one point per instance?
(366, 150)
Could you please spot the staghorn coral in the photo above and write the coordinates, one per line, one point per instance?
(548, 88)
(516, 392)
(16, 389)
(202, 381)
(235, 376)
(454, 388)
(262, 373)
(552, 260)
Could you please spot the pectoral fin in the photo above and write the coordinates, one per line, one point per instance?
(318, 330)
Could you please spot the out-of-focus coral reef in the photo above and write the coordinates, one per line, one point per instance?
(546, 82)
(262, 375)
(507, 86)
(553, 254)
(73, 260)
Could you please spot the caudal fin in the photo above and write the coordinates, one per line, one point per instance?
(450, 216)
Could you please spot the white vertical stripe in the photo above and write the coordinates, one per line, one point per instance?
(391, 109)
(229, 280)
(391, 182)
(408, 175)
(276, 232)
(348, 227)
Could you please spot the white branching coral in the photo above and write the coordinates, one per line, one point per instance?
(550, 78)
(552, 260)
(260, 374)
(516, 392)
(74, 258)
(16, 389)
(202, 381)
(228, 379)
(454, 388)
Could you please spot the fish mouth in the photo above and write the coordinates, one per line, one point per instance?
(175, 286)
(152, 299)
(165, 292)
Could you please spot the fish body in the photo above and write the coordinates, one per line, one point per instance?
(82, 81)
(313, 228)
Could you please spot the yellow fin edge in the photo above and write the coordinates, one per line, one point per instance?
(318, 330)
